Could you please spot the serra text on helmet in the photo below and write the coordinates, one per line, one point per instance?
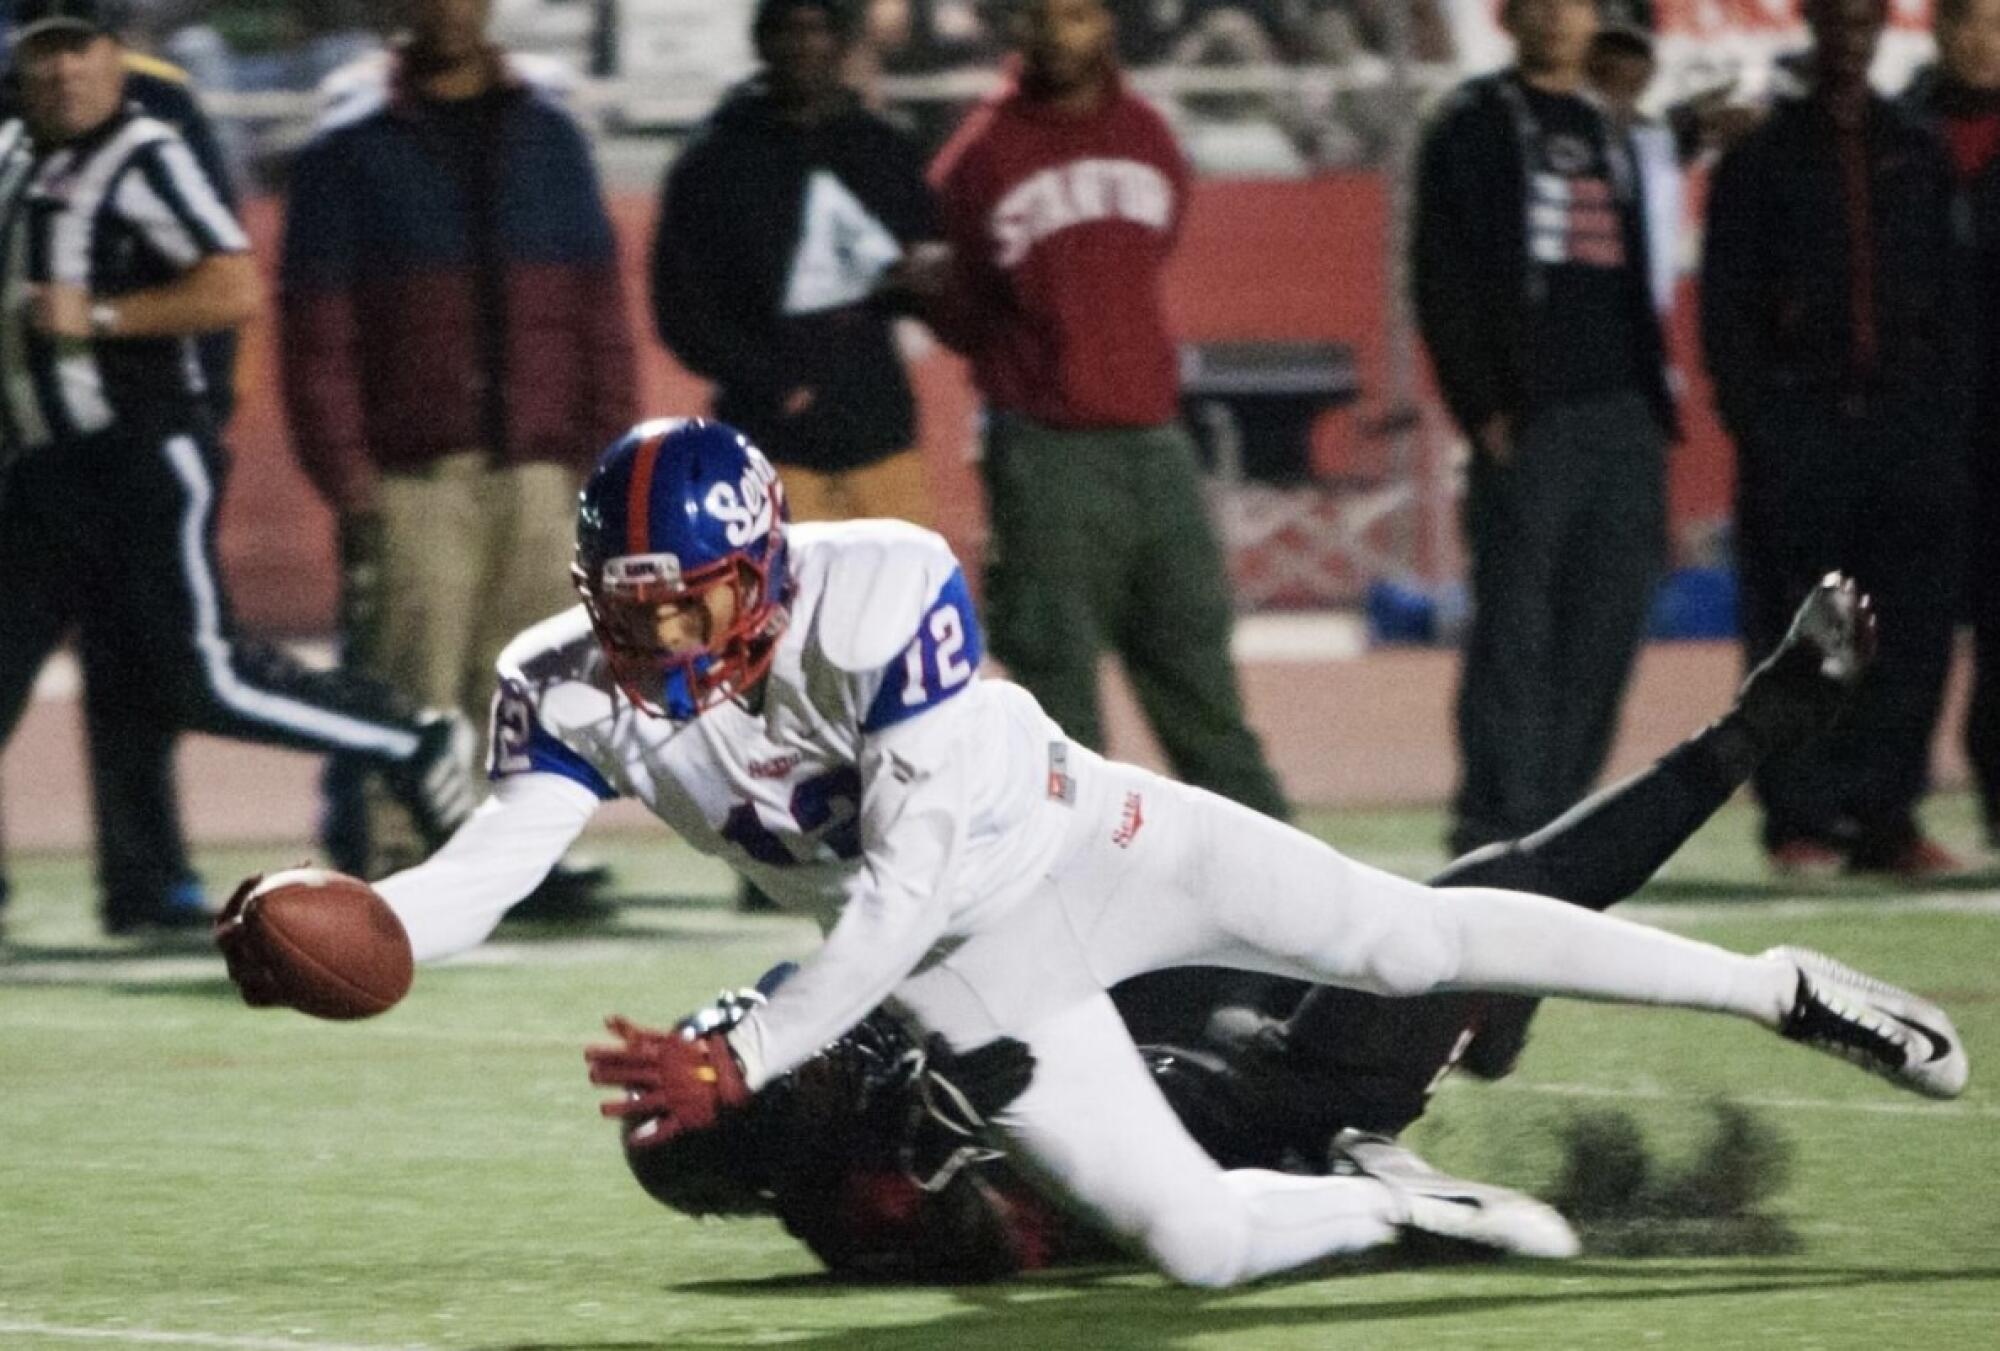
(746, 508)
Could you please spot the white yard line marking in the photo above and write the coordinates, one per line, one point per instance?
(1813, 907)
(1963, 1111)
(53, 1022)
(151, 1337)
(141, 968)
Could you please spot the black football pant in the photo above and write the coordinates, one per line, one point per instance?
(1362, 1060)
(1390, 1051)
(114, 539)
(1882, 497)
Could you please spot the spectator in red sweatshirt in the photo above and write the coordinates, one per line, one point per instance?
(1063, 198)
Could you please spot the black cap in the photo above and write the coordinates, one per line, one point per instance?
(839, 15)
(34, 17)
(1624, 39)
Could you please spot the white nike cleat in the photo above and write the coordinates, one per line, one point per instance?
(1905, 1039)
(1450, 1207)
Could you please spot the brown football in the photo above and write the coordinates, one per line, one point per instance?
(333, 943)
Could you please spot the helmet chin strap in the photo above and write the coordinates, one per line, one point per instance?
(677, 694)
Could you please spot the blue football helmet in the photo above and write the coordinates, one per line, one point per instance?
(676, 508)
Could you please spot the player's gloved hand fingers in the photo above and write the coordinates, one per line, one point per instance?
(630, 1105)
(997, 1073)
(253, 980)
(614, 1066)
(636, 1037)
(260, 992)
(990, 1076)
(232, 912)
(652, 1132)
(252, 977)
(1865, 631)
(677, 1113)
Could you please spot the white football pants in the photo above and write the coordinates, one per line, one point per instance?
(1157, 874)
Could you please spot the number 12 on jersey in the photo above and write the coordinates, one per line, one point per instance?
(934, 666)
(940, 660)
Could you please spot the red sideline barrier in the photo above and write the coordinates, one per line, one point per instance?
(1281, 260)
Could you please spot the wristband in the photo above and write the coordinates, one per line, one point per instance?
(103, 319)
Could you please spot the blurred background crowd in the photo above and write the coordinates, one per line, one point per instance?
(1370, 338)
(1306, 90)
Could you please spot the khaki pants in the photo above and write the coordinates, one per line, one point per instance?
(472, 555)
(895, 488)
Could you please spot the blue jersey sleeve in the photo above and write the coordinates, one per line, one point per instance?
(938, 663)
(521, 745)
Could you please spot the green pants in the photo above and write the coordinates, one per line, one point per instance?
(1100, 540)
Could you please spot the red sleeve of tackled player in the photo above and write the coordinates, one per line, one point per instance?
(878, 1223)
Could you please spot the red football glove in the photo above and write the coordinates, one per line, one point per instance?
(674, 1082)
(253, 978)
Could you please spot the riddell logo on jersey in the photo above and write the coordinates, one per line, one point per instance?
(1129, 821)
(775, 768)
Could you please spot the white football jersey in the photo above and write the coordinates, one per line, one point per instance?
(880, 783)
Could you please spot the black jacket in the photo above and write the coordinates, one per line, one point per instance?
(1777, 298)
(1931, 100)
(751, 206)
(1470, 269)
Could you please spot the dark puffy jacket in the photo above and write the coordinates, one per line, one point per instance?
(1778, 294)
(385, 358)
(1931, 100)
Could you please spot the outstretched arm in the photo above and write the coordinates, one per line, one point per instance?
(451, 901)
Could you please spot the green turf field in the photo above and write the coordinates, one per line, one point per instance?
(176, 1170)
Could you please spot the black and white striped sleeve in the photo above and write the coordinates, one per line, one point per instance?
(168, 198)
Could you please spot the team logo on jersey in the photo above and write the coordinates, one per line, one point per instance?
(745, 507)
(1067, 195)
(777, 767)
(1129, 821)
(1062, 788)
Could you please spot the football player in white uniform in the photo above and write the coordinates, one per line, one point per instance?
(805, 703)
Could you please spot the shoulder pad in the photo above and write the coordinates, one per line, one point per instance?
(881, 576)
(547, 692)
(560, 648)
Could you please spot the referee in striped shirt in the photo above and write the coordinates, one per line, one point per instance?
(116, 251)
